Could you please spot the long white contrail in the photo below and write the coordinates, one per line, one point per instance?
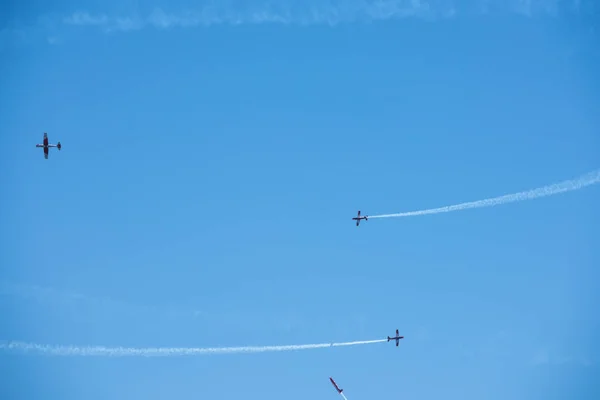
(101, 351)
(588, 179)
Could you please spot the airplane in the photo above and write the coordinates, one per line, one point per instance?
(396, 338)
(47, 146)
(336, 386)
(358, 218)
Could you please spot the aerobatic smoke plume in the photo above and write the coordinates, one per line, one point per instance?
(101, 351)
(588, 179)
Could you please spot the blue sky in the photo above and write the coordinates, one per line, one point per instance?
(213, 157)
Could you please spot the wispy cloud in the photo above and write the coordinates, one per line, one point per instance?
(83, 18)
(326, 12)
(207, 13)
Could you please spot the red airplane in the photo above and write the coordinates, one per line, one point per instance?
(396, 338)
(336, 386)
(47, 146)
(358, 218)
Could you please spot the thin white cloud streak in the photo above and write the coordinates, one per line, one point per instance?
(284, 12)
(332, 12)
(302, 13)
(102, 351)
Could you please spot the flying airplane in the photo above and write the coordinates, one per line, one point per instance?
(396, 338)
(336, 386)
(358, 218)
(47, 146)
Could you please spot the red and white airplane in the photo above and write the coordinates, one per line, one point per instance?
(396, 338)
(358, 218)
(47, 146)
(336, 386)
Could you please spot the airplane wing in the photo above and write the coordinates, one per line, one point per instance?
(357, 222)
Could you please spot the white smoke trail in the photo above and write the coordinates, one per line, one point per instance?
(344, 396)
(162, 351)
(588, 179)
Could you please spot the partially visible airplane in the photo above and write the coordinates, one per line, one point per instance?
(47, 146)
(358, 218)
(396, 338)
(336, 386)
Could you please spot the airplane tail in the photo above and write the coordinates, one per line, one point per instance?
(58, 145)
(389, 338)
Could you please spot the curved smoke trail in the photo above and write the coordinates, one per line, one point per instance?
(588, 179)
(101, 351)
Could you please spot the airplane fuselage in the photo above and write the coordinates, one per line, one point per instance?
(396, 338)
(359, 217)
(336, 386)
(46, 146)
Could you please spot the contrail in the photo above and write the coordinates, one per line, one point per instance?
(344, 396)
(588, 179)
(102, 351)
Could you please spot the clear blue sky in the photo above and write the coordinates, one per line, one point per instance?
(208, 175)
